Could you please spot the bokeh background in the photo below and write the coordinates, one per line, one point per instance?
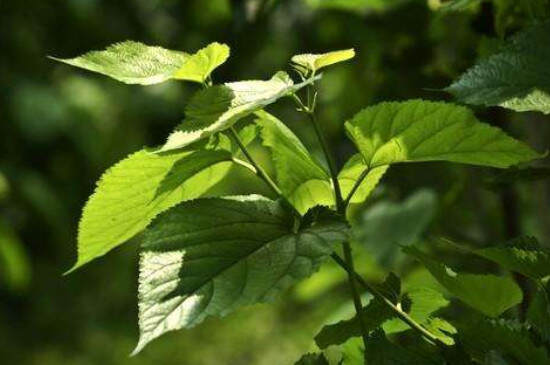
(60, 128)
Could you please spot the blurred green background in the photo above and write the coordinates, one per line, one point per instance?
(60, 128)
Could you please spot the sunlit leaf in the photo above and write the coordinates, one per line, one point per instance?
(210, 256)
(218, 107)
(315, 62)
(132, 192)
(136, 63)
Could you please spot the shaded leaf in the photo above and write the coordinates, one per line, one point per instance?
(303, 181)
(489, 294)
(15, 266)
(312, 359)
(210, 256)
(374, 314)
(538, 313)
(481, 336)
(523, 255)
(516, 78)
(380, 351)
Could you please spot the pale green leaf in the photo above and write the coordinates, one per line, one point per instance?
(217, 108)
(132, 192)
(457, 5)
(480, 336)
(302, 180)
(136, 63)
(516, 78)
(198, 67)
(210, 256)
(417, 130)
(315, 62)
(489, 294)
(356, 6)
(523, 255)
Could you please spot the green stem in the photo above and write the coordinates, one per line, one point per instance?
(356, 186)
(355, 293)
(398, 311)
(331, 164)
(260, 172)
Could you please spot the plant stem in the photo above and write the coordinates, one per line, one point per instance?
(356, 186)
(330, 160)
(398, 311)
(260, 172)
(340, 207)
(355, 293)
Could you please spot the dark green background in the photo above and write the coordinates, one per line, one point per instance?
(60, 128)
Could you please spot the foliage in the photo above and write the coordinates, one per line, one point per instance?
(239, 206)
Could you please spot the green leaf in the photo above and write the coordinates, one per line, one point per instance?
(315, 62)
(489, 294)
(374, 314)
(218, 107)
(386, 224)
(516, 78)
(302, 180)
(424, 302)
(210, 256)
(417, 130)
(131, 193)
(480, 336)
(458, 5)
(136, 63)
(523, 255)
(15, 266)
(380, 351)
(352, 172)
(200, 65)
(312, 359)
(538, 313)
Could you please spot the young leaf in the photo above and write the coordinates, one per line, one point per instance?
(136, 63)
(210, 256)
(480, 336)
(219, 107)
(303, 181)
(516, 78)
(131, 193)
(374, 314)
(489, 294)
(198, 67)
(523, 255)
(315, 62)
